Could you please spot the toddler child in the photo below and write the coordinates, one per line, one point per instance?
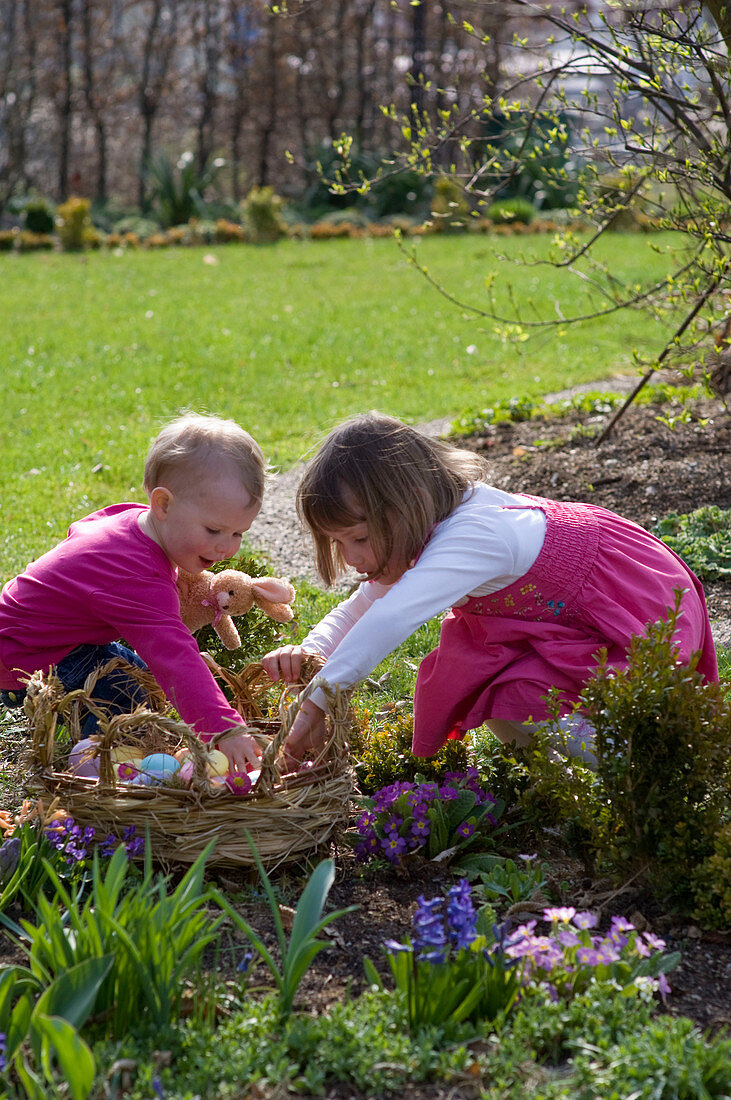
(114, 577)
(536, 587)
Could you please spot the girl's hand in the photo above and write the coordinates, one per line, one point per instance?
(284, 663)
(241, 750)
(308, 733)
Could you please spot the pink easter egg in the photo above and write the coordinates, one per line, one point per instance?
(186, 771)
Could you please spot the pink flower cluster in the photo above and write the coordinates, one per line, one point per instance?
(570, 954)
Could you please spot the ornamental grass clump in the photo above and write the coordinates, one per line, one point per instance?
(155, 932)
(427, 819)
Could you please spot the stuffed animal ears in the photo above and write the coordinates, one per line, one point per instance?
(274, 596)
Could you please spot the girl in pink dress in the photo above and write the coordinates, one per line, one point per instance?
(533, 587)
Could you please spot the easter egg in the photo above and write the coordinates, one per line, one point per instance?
(81, 762)
(217, 763)
(182, 755)
(186, 771)
(158, 767)
(127, 754)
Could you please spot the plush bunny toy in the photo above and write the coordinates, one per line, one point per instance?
(214, 597)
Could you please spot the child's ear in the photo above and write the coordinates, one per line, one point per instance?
(160, 500)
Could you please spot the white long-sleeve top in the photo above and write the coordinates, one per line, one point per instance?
(490, 540)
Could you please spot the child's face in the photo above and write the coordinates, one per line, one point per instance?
(203, 525)
(355, 546)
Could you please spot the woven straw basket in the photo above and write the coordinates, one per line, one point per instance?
(287, 816)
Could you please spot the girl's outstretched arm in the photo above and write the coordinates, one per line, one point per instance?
(307, 734)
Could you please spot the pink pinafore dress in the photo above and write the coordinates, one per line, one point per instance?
(598, 580)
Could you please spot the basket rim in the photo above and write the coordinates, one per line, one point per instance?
(46, 702)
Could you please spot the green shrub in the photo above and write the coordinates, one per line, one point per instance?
(528, 155)
(712, 884)
(73, 220)
(338, 171)
(619, 201)
(669, 1059)
(39, 216)
(384, 757)
(543, 790)
(262, 210)
(202, 231)
(509, 211)
(137, 226)
(662, 739)
(93, 238)
(399, 193)
(702, 539)
(177, 190)
(450, 209)
(258, 632)
(351, 216)
(8, 237)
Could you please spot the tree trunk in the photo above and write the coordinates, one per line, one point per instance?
(64, 97)
(93, 103)
(416, 73)
(211, 47)
(269, 121)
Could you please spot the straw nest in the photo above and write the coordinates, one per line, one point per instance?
(287, 816)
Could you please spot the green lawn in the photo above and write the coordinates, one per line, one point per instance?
(100, 349)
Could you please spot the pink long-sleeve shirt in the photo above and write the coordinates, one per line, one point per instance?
(108, 580)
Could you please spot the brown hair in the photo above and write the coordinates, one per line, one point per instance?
(194, 444)
(376, 470)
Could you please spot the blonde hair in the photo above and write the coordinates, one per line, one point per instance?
(376, 470)
(194, 445)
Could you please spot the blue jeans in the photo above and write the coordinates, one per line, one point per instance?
(118, 692)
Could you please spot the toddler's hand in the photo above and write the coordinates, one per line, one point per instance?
(307, 733)
(240, 751)
(284, 663)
